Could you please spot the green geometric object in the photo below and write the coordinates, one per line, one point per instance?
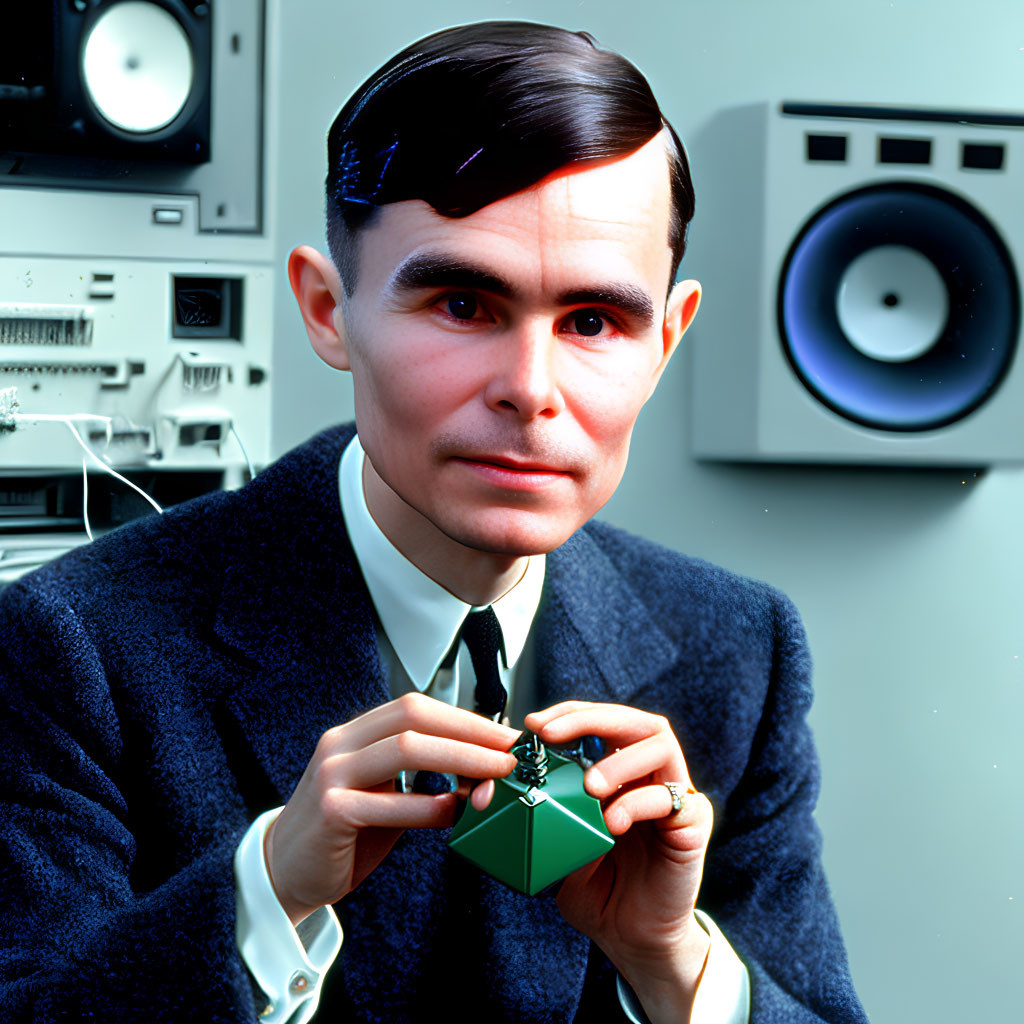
(540, 825)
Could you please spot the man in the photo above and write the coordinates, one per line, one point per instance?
(506, 210)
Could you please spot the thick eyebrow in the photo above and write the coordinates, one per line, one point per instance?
(439, 270)
(626, 297)
(442, 270)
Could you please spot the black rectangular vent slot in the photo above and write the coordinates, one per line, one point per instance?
(102, 286)
(207, 307)
(904, 151)
(830, 148)
(982, 156)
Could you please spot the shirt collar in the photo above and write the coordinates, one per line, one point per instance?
(421, 618)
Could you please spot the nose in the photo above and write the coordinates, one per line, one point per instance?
(523, 377)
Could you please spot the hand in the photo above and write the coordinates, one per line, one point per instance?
(345, 815)
(637, 901)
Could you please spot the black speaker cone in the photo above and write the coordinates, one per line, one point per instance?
(899, 308)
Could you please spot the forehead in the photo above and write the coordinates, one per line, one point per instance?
(631, 193)
(609, 220)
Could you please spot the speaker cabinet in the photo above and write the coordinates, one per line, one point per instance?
(126, 79)
(154, 96)
(862, 286)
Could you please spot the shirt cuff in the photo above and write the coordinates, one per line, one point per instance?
(288, 964)
(723, 993)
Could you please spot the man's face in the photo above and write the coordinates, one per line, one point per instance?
(500, 360)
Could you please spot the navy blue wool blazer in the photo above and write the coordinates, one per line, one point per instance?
(163, 686)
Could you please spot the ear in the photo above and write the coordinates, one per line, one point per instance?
(317, 288)
(680, 310)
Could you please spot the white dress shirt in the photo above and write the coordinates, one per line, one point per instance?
(419, 622)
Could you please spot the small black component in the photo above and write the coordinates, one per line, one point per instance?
(532, 758)
(586, 751)
(199, 433)
(826, 148)
(904, 151)
(207, 307)
(982, 156)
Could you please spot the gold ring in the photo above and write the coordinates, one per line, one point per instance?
(679, 793)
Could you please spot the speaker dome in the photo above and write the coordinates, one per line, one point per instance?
(137, 66)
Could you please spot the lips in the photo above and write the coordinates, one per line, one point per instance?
(508, 462)
(509, 474)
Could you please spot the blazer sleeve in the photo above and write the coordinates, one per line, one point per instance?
(764, 883)
(82, 937)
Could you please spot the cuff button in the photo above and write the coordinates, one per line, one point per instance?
(299, 983)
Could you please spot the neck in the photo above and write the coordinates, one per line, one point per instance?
(476, 577)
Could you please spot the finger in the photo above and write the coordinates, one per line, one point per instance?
(358, 809)
(414, 751)
(614, 723)
(659, 753)
(654, 803)
(482, 794)
(419, 713)
(536, 720)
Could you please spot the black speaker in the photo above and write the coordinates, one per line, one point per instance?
(100, 80)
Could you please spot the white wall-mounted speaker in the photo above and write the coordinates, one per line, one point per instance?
(861, 267)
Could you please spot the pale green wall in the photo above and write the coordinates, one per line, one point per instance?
(911, 583)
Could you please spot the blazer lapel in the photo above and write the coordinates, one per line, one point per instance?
(595, 637)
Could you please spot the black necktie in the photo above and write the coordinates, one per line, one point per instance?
(482, 634)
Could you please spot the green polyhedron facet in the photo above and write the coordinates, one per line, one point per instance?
(530, 838)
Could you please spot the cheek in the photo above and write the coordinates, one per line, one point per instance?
(403, 388)
(607, 407)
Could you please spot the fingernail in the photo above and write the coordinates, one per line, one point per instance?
(597, 779)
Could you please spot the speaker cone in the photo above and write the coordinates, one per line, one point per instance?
(137, 66)
(898, 307)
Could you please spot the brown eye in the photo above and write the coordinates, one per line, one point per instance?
(462, 307)
(588, 322)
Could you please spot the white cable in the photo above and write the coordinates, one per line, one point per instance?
(69, 421)
(9, 402)
(79, 417)
(245, 454)
(107, 469)
(85, 497)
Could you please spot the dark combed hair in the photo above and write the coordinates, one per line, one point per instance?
(473, 114)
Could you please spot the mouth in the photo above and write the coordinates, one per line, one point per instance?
(511, 463)
(510, 472)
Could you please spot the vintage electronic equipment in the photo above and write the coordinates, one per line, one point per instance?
(135, 269)
(862, 280)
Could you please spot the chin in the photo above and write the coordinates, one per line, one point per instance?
(514, 538)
